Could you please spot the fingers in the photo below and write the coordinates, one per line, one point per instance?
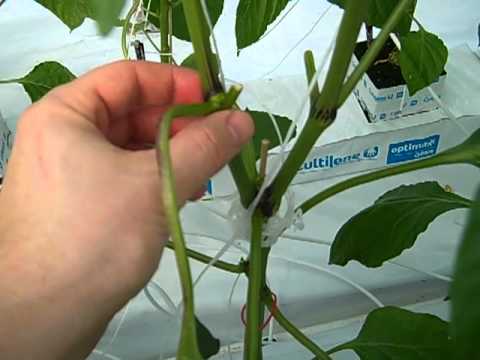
(129, 95)
(201, 149)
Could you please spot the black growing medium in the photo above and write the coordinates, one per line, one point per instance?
(383, 74)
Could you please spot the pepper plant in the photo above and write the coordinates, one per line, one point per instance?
(378, 233)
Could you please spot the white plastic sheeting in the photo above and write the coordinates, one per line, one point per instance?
(308, 294)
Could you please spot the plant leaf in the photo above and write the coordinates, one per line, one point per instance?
(71, 12)
(392, 224)
(207, 343)
(422, 59)
(465, 290)
(43, 78)
(179, 23)
(264, 129)
(106, 13)
(190, 62)
(253, 18)
(391, 333)
(380, 10)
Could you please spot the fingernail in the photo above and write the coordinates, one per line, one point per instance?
(240, 125)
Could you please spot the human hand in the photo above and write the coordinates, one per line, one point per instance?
(80, 214)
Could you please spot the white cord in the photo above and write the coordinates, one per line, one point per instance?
(105, 355)
(166, 299)
(435, 97)
(277, 23)
(360, 288)
(120, 324)
(429, 273)
(214, 40)
(299, 42)
(326, 243)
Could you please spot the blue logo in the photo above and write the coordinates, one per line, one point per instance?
(334, 161)
(412, 149)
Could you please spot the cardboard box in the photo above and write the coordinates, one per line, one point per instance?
(394, 102)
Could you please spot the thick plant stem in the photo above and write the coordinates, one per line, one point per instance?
(188, 346)
(219, 264)
(200, 36)
(242, 166)
(293, 330)
(165, 28)
(256, 281)
(323, 112)
(440, 159)
(373, 51)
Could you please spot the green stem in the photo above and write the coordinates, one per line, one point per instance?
(373, 51)
(150, 40)
(440, 159)
(242, 166)
(311, 71)
(200, 36)
(11, 81)
(188, 346)
(324, 110)
(128, 19)
(256, 282)
(293, 330)
(223, 265)
(165, 27)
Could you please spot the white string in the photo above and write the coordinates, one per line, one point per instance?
(277, 23)
(132, 30)
(217, 257)
(360, 288)
(147, 14)
(298, 43)
(229, 304)
(120, 324)
(430, 273)
(214, 211)
(435, 97)
(105, 355)
(214, 40)
(164, 295)
(326, 243)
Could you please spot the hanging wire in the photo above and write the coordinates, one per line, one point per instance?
(298, 43)
(277, 23)
(214, 40)
(344, 279)
(105, 355)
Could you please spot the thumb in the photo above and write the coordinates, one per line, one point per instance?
(201, 149)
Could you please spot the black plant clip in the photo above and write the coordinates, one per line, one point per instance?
(139, 50)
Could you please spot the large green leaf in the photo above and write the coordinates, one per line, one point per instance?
(264, 129)
(465, 290)
(43, 78)
(207, 343)
(392, 224)
(190, 62)
(71, 12)
(179, 23)
(422, 59)
(253, 18)
(106, 13)
(392, 333)
(380, 10)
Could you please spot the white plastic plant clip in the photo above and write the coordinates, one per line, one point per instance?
(285, 218)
